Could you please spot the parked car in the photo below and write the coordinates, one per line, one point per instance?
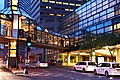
(42, 64)
(85, 66)
(107, 68)
(52, 62)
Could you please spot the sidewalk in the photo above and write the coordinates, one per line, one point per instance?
(21, 69)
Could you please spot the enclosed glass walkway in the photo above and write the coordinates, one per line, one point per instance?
(27, 26)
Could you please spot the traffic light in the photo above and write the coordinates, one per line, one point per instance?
(28, 42)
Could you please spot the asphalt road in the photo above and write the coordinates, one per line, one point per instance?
(53, 73)
(63, 73)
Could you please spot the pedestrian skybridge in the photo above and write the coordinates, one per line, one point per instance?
(17, 25)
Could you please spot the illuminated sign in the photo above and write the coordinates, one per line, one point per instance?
(13, 48)
(14, 5)
(12, 53)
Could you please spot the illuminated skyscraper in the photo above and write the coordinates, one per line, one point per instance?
(48, 12)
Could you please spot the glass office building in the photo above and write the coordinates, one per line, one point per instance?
(95, 16)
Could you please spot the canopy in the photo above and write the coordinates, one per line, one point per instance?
(20, 11)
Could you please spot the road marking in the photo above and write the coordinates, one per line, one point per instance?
(58, 75)
(36, 74)
(71, 78)
(111, 77)
(100, 76)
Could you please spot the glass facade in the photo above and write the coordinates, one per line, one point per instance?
(48, 12)
(95, 16)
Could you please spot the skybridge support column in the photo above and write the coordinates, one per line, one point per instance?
(44, 54)
(93, 57)
(118, 56)
(68, 59)
(13, 44)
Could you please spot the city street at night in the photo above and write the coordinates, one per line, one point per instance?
(53, 73)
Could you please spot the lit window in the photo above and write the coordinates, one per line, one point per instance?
(71, 9)
(65, 3)
(63, 15)
(58, 2)
(66, 9)
(44, 0)
(71, 4)
(78, 5)
(115, 27)
(52, 14)
(47, 7)
(118, 25)
(51, 1)
(58, 15)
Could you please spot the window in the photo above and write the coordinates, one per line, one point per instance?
(58, 15)
(102, 17)
(116, 65)
(99, 26)
(110, 15)
(110, 10)
(112, 3)
(96, 16)
(78, 5)
(51, 1)
(108, 23)
(100, 31)
(44, 0)
(106, 64)
(82, 63)
(118, 1)
(93, 4)
(58, 2)
(51, 14)
(118, 25)
(71, 4)
(103, 13)
(93, 12)
(71, 10)
(92, 28)
(100, 9)
(91, 63)
(99, 5)
(107, 29)
(105, 7)
(105, 2)
(65, 3)
(66, 9)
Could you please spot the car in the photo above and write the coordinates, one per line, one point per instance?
(107, 68)
(52, 62)
(85, 66)
(42, 64)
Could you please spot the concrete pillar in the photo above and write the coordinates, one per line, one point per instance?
(118, 56)
(108, 59)
(44, 55)
(93, 57)
(77, 58)
(68, 59)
